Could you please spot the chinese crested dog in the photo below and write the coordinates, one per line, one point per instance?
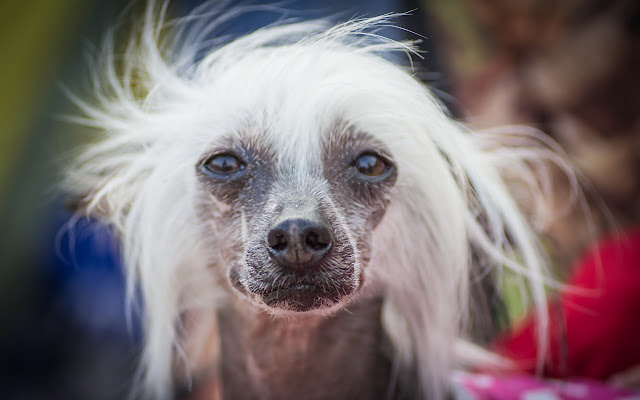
(300, 216)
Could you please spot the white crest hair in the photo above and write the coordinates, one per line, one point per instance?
(139, 175)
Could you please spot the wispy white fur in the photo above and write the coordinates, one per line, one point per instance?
(172, 91)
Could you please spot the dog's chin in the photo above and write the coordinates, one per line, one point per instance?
(304, 297)
(298, 296)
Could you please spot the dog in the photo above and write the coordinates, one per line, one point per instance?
(299, 213)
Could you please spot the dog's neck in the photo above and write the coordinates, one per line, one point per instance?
(337, 357)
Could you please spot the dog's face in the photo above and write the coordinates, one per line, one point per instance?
(295, 231)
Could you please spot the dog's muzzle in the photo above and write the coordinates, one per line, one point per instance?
(307, 264)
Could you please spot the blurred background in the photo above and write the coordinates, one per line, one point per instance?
(567, 67)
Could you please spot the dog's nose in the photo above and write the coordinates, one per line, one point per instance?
(299, 242)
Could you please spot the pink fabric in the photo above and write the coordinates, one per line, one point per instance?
(527, 387)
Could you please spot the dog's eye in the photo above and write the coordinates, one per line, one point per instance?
(371, 165)
(223, 164)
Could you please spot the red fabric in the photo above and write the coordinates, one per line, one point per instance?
(602, 325)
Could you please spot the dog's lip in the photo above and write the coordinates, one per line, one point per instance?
(302, 296)
(282, 293)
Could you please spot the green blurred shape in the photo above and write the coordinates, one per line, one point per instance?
(32, 43)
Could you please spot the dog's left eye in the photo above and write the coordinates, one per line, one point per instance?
(223, 164)
(371, 165)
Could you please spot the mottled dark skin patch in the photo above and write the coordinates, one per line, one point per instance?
(248, 188)
(371, 196)
(236, 193)
(350, 187)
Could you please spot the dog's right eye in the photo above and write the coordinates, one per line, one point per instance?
(223, 164)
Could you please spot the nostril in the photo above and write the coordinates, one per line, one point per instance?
(318, 239)
(277, 240)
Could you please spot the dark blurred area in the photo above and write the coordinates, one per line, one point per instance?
(63, 332)
(568, 67)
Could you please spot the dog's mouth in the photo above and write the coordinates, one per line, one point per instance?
(303, 296)
(297, 295)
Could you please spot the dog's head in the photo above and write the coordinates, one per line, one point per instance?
(294, 164)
